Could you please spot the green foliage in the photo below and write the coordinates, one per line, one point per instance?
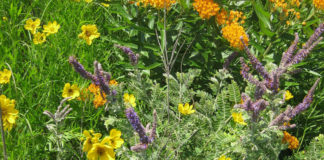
(315, 149)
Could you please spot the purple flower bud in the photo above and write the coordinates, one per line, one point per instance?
(248, 76)
(102, 83)
(286, 56)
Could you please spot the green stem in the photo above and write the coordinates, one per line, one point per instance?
(3, 138)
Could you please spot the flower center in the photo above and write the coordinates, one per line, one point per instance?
(70, 91)
(100, 150)
(88, 33)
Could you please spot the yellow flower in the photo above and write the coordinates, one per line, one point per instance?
(5, 76)
(113, 82)
(223, 157)
(319, 4)
(39, 38)
(32, 25)
(129, 99)
(186, 109)
(158, 4)
(101, 151)
(89, 32)
(303, 23)
(105, 4)
(206, 8)
(90, 140)
(114, 139)
(8, 111)
(288, 95)
(232, 33)
(4, 18)
(51, 28)
(99, 100)
(71, 91)
(292, 140)
(237, 117)
(88, 1)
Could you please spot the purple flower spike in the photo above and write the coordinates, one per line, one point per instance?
(102, 83)
(80, 69)
(248, 76)
(286, 56)
(136, 124)
(138, 127)
(257, 65)
(131, 55)
(306, 101)
(229, 59)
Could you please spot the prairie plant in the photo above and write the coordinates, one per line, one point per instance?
(55, 128)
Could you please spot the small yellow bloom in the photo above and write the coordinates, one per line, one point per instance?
(32, 25)
(238, 118)
(288, 95)
(5, 76)
(186, 109)
(113, 82)
(114, 139)
(4, 18)
(288, 23)
(129, 99)
(88, 1)
(51, 28)
(89, 32)
(105, 4)
(304, 23)
(71, 91)
(223, 157)
(39, 38)
(94, 88)
(8, 111)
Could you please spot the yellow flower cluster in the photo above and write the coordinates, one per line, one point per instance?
(292, 140)
(158, 4)
(206, 8)
(238, 118)
(232, 33)
(8, 111)
(129, 99)
(39, 38)
(5, 76)
(319, 4)
(223, 157)
(89, 33)
(103, 149)
(288, 95)
(71, 91)
(186, 109)
(233, 17)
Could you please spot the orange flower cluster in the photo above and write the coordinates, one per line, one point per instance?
(319, 4)
(287, 8)
(233, 17)
(233, 33)
(99, 98)
(206, 8)
(159, 4)
(292, 140)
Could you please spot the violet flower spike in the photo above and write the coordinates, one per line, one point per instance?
(248, 76)
(80, 69)
(99, 73)
(131, 55)
(257, 65)
(136, 124)
(287, 56)
(306, 101)
(229, 59)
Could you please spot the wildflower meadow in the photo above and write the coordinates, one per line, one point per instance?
(162, 79)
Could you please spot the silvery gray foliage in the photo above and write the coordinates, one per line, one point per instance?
(59, 114)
